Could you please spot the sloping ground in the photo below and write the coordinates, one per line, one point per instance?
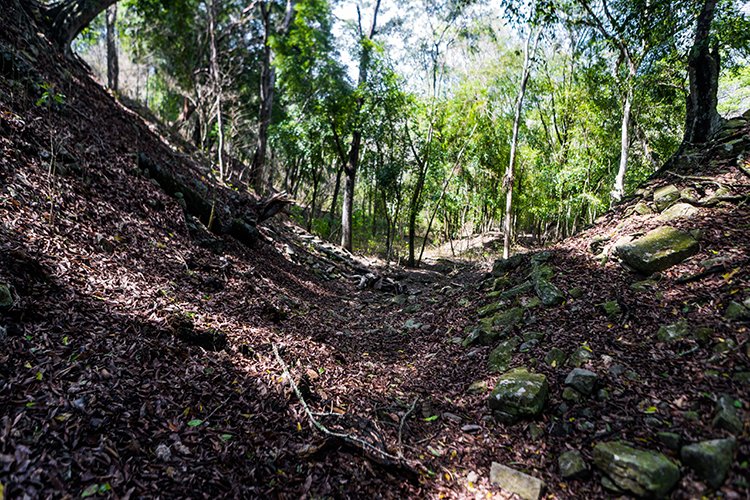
(138, 359)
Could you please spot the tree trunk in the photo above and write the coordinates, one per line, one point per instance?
(113, 67)
(68, 18)
(353, 157)
(702, 119)
(508, 181)
(618, 191)
(216, 79)
(259, 177)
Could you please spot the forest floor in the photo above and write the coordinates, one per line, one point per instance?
(144, 357)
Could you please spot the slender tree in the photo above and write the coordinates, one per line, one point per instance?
(113, 67)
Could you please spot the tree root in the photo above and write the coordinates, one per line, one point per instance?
(370, 451)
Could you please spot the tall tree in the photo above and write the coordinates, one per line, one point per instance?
(528, 56)
(113, 67)
(701, 117)
(352, 159)
(258, 174)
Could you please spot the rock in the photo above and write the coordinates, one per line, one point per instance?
(489, 309)
(742, 377)
(584, 381)
(548, 293)
(658, 249)
(501, 356)
(678, 211)
(572, 465)
(726, 415)
(399, 299)
(642, 208)
(471, 428)
(690, 195)
(530, 303)
(524, 287)
(525, 486)
(500, 283)
(478, 387)
(505, 321)
(536, 431)
(665, 196)
(711, 460)
(541, 257)
(580, 356)
(643, 473)
(669, 439)
(570, 394)
(737, 312)
(411, 324)
(452, 417)
(576, 292)
(501, 266)
(163, 453)
(6, 297)
(518, 394)
(555, 357)
(643, 286)
(611, 308)
(674, 331)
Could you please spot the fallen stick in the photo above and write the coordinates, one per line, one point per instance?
(371, 451)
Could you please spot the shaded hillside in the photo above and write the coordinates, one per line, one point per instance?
(137, 354)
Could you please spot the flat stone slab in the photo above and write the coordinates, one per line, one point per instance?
(658, 249)
(513, 481)
(678, 211)
(643, 473)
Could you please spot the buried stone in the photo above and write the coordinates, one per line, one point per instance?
(640, 472)
(519, 394)
(501, 356)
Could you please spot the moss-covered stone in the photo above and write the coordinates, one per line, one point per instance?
(572, 465)
(642, 208)
(517, 290)
(643, 473)
(502, 266)
(584, 381)
(576, 292)
(489, 309)
(555, 357)
(726, 415)
(737, 312)
(519, 394)
(711, 460)
(501, 356)
(658, 249)
(611, 308)
(675, 331)
(548, 293)
(665, 196)
(580, 356)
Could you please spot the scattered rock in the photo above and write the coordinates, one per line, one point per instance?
(576, 292)
(525, 486)
(674, 331)
(583, 381)
(572, 465)
(671, 440)
(489, 309)
(501, 266)
(471, 428)
(658, 249)
(518, 394)
(611, 308)
(478, 387)
(412, 324)
(711, 460)
(536, 431)
(726, 415)
(737, 312)
(517, 290)
(642, 208)
(548, 293)
(580, 356)
(678, 211)
(690, 195)
(665, 196)
(555, 357)
(163, 453)
(6, 297)
(570, 394)
(501, 356)
(643, 473)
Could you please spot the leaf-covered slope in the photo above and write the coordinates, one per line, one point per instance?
(136, 357)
